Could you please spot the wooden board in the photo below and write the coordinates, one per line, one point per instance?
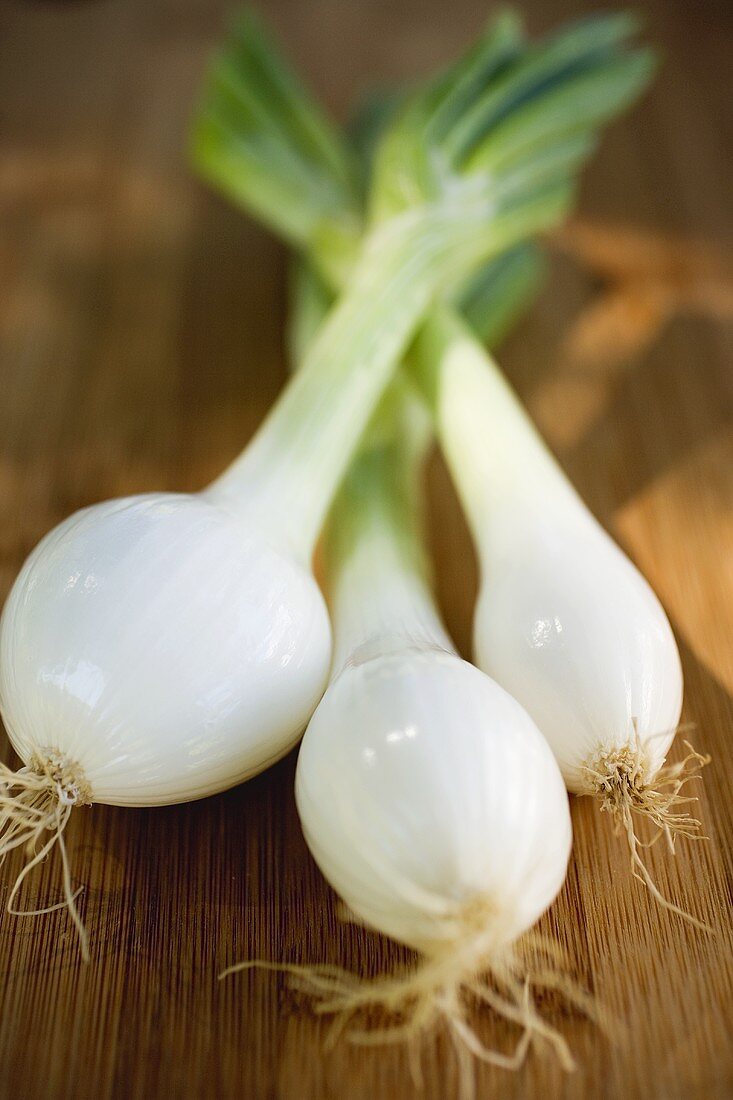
(140, 344)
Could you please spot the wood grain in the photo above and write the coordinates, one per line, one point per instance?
(140, 344)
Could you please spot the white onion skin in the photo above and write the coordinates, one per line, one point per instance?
(421, 782)
(163, 644)
(568, 625)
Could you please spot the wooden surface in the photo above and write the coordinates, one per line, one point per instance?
(140, 343)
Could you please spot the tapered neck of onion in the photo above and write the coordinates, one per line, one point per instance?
(376, 563)
(288, 474)
(500, 463)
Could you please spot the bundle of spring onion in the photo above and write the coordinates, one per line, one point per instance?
(163, 647)
(424, 837)
(564, 620)
(160, 648)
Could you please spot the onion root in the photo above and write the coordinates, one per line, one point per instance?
(36, 800)
(439, 991)
(619, 779)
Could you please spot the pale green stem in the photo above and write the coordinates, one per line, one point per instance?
(491, 444)
(496, 456)
(377, 567)
(374, 547)
(287, 476)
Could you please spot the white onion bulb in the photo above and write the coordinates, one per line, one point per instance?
(154, 649)
(423, 787)
(569, 625)
(163, 647)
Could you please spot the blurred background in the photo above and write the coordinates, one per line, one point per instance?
(141, 343)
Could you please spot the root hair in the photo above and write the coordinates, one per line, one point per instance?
(438, 992)
(619, 778)
(36, 800)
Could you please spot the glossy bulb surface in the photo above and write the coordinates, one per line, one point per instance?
(421, 783)
(568, 625)
(164, 645)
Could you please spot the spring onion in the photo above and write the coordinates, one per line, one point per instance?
(427, 796)
(163, 647)
(564, 621)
